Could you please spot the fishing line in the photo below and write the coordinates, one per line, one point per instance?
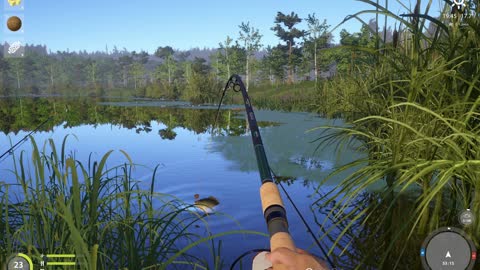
(310, 231)
(23, 140)
(332, 265)
(229, 84)
(234, 86)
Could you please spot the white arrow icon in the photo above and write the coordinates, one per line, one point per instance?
(448, 255)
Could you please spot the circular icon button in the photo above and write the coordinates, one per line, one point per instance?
(448, 248)
(466, 217)
(14, 23)
(20, 262)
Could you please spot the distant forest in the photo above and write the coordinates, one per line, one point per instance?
(196, 74)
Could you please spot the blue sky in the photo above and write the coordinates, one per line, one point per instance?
(182, 24)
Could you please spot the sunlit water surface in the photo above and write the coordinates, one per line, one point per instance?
(222, 166)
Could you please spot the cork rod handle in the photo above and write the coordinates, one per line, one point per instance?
(270, 196)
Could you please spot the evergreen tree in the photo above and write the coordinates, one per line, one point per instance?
(347, 59)
(166, 54)
(288, 33)
(275, 62)
(237, 59)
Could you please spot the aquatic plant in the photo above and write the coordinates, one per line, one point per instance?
(100, 214)
(415, 110)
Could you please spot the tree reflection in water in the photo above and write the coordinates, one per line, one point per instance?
(27, 113)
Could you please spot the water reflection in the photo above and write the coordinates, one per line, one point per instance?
(27, 113)
(222, 165)
(288, 146)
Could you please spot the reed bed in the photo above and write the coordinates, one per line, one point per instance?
(100, 214)
(414, 107)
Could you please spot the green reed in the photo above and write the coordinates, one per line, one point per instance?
(100, 214)
(295, 97)
(415, 110)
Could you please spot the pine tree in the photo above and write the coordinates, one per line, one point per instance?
(166, 54)
(288, 34)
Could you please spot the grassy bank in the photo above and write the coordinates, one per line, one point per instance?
(414, 104)
(292, 97)
(99, 213)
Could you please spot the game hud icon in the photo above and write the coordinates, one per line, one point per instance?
(14, 4)
(14, 48)
(14, 23)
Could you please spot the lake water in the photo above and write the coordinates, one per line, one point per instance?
(193, 160)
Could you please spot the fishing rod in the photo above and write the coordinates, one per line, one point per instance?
(272, 205)
(24, 139)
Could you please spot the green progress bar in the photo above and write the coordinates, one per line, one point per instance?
(60, 255)
(61, 263)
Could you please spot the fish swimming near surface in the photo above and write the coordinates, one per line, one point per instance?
(206, 204)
